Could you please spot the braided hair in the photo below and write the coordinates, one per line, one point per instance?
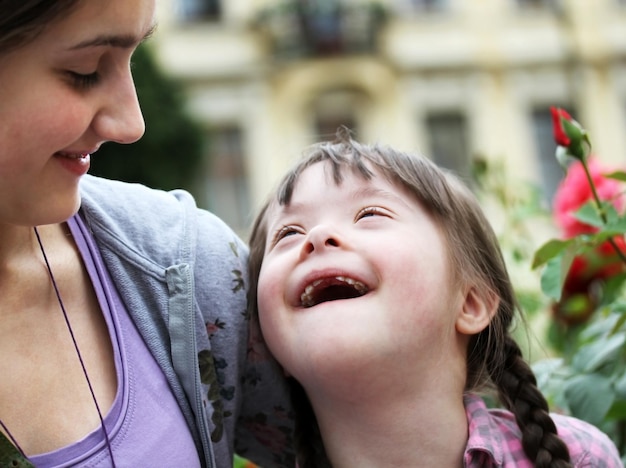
(494, 360)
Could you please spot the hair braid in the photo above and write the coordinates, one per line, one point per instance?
(518, 390)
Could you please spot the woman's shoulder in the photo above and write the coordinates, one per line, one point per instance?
(123, 197)
(152, 220)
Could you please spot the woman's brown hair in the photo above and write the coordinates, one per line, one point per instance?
(23, 20)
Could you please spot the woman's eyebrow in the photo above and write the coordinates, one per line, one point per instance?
(124, 41)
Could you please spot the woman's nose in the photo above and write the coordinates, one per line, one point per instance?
(320, 238)
(120, 119)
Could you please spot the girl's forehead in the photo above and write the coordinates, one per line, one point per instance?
(342, 178)
(336, 173)
(318, 185)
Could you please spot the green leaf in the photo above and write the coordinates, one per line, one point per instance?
(620, 311)
(619, 307)
(612, 288)
(549, 250)
(589, 214)
(589, 397)
(545, 369)
(617, 411)
(614, 228)
(598, 330)
(618, 175)
(551, 283)
(620, 386)
(554, 274)
(612, 215)
(596, 354)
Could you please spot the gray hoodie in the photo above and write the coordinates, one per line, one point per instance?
(181, 273)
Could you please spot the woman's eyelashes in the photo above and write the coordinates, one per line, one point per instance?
(83, 82)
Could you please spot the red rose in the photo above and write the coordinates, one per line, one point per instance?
(560, 136)
(574, 191)
(600, 263)
(581, 290)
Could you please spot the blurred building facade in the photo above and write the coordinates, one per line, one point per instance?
(451, 79)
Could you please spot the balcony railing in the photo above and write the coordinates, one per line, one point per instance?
(300, 28)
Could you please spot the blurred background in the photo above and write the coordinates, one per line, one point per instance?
(234, 90)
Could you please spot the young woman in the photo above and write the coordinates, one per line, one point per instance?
(381, 289)
(123, 332)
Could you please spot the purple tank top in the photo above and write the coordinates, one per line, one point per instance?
(145, 424)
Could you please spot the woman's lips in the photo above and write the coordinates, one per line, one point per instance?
(76, 163)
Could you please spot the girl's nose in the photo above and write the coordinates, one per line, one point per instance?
(320, 238)
(119, 118)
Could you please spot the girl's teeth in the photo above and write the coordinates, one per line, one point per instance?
(307, 297)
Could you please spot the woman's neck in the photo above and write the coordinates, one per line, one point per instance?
(21, 264)
(16, 241)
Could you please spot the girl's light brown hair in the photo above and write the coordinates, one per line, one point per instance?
(494, 360)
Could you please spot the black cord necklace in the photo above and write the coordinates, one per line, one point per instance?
(80, 358)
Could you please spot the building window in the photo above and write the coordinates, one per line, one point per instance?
(447, 134)
(225, 185)
(551, 172)
(199, 10)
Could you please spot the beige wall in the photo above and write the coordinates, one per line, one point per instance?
(485, 58)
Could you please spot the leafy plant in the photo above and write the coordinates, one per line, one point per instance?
(583, 273)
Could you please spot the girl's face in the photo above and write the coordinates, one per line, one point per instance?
(61, 97)
(356, 279)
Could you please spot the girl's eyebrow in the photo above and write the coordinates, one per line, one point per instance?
(373, 192)
(124, 41)
(358, 194)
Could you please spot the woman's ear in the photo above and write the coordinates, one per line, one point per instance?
(478, 308)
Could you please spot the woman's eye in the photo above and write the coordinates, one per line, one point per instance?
(84, 81)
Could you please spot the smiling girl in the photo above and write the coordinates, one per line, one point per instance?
(381, 289)
(122, 334)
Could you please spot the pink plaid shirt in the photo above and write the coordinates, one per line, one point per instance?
(495, 440)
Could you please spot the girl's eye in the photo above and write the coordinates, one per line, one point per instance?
(283, 232)
(84, 81)
(369, 211)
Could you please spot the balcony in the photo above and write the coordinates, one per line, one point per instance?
(299, 29)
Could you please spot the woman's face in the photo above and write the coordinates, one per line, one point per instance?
(61, 97)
